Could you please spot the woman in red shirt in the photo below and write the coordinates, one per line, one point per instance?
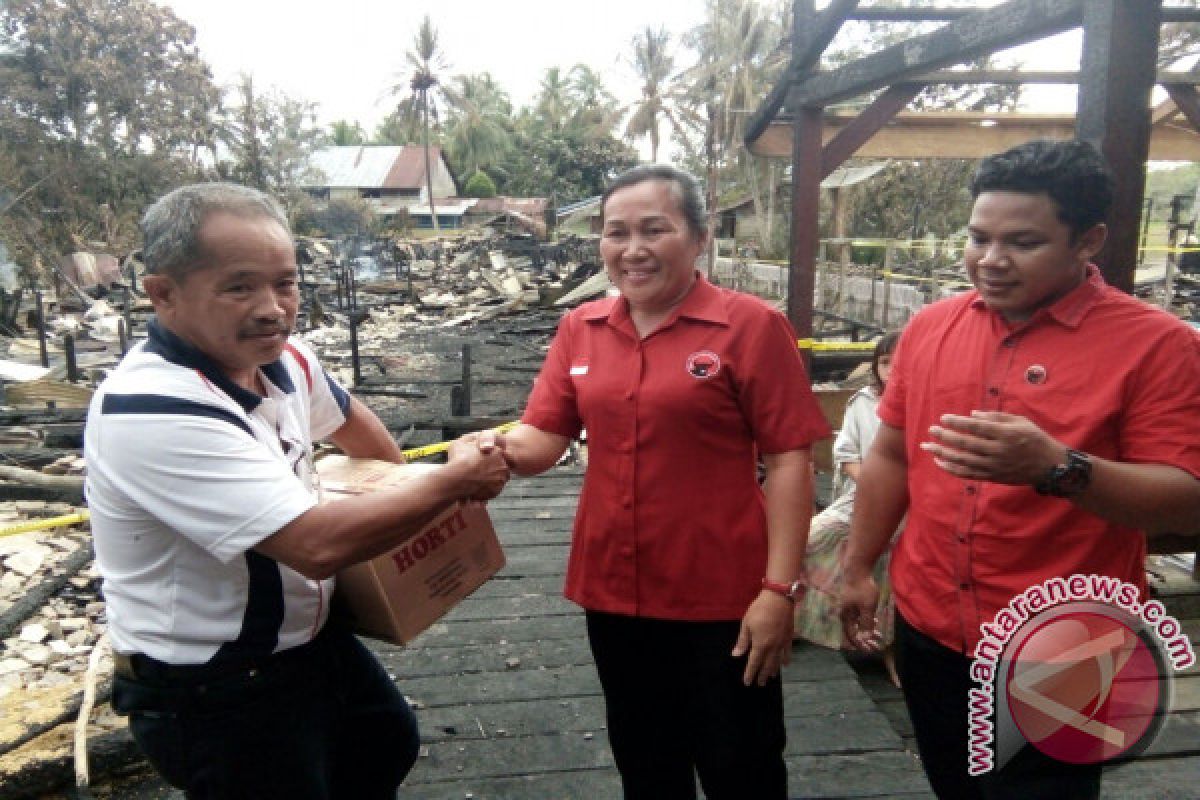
(688, 569)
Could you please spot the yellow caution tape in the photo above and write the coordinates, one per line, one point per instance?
(835, 347)
(46, 524)
(431, 449)
(83, 516)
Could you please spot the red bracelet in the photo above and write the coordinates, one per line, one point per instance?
(791, 591)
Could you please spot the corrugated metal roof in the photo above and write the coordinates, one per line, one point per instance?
(849, 176)
(372, 166)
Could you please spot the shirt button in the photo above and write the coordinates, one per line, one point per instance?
(962, 540)
(629, 395)
(964, 586)
(993, 391)
(970, 490)
(627, 502)
(1010, 342)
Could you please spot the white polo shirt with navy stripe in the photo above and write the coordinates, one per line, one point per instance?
(186, 473)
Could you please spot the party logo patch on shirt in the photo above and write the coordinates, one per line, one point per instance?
(703, 364)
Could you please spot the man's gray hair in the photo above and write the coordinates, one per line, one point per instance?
(171, 226)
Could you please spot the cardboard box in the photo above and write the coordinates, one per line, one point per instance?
(397, 595)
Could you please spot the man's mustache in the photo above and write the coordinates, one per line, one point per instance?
(267, 330)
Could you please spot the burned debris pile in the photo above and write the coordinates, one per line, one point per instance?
(438, 335)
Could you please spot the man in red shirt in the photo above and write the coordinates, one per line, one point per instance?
(1035, 427)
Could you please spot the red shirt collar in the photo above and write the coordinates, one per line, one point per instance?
(1070, 309)
(703, 302)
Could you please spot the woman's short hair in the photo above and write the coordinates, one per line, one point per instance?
(685, 188)
(885, 346)
(171, 226)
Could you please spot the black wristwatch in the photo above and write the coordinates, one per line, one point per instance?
(1067, 480)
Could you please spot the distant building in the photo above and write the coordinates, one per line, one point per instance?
(388, 178)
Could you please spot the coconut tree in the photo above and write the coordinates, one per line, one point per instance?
(553, 105)
(477, 134)
(741, 51)
(426, 62)
(654, 65)
(597, 112)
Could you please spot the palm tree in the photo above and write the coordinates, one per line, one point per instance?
(553, 102)
(654, 66)
(596, 109)
(477, 133)
(740, 52)
(425, 61)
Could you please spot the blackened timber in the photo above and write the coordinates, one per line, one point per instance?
(41, 328)
(969, 37)
(806, 200)
(812, 34)
(876, 14)
(1187, 100)
(865, 125)
(1012, 76)
(1117, 69)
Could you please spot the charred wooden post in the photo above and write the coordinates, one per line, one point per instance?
(127, 313)
(354, 319)
(69, 353)
(41, 326)
(806, 200)
(122, 336)
(463, 406)
(1116, 76)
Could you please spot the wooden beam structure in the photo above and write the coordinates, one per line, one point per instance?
(816, 31)
(1116, 77)
(972, 134)
(865, 125)
(880, 14)
(957, 42)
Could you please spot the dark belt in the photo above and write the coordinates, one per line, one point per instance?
(144, 668)
(139, 667)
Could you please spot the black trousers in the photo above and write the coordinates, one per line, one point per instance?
(936, 681)
(677, 708)
(321, 722)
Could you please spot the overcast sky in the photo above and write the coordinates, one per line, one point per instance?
(344, 55)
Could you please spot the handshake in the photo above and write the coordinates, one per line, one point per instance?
(478, 461)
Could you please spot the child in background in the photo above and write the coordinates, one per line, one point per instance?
(817, 617)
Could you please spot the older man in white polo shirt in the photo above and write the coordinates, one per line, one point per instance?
(217, 560)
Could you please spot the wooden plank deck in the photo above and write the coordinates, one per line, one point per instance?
(510, 706)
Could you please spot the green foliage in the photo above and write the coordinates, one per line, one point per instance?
(343, 133)
(271, 137)
(565, 165)
(340, 217)
(478, 133)
(1163, 184)
(931, 194)
(480, 185)
(105, 105)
